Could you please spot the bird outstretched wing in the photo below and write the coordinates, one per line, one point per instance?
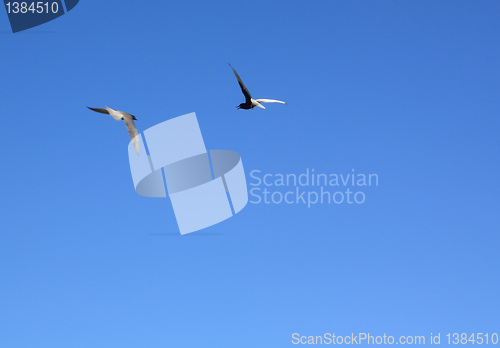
(106, 111)
(102, 111)
(244, 89)
(270, 101)
(132, 131)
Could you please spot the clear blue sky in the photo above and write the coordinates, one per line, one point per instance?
(405, 89)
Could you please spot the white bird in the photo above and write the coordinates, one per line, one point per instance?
(129, 122)
(250, 103)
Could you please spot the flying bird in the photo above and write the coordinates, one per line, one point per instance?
(250, 103)
(129, 122)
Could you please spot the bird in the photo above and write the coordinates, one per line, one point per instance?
(250, 103)
(129, 122)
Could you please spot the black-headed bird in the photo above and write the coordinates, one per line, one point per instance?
(250, 103)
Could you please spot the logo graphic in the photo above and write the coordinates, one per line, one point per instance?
(28, 14)
(205, 188)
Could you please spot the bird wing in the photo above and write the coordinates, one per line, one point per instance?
(132, 131)
(102, 111)
(244, 89)
(107, 111)
(270, 101)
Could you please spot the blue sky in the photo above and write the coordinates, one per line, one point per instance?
(407, 90)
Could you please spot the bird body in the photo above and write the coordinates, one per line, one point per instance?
(129, 122)
(250, 103)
